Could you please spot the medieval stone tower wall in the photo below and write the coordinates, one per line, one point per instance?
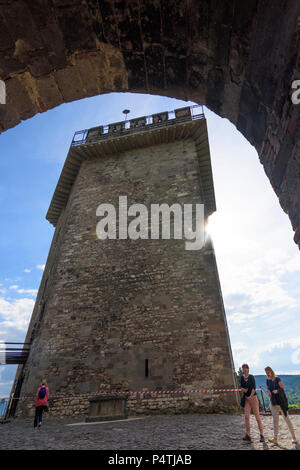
(130, 315)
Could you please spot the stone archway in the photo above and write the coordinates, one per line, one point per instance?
(237, 58)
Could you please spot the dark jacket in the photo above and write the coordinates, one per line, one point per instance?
(281, 400)
(249, 384)
(280, 397)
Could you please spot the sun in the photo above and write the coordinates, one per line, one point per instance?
(211, 227)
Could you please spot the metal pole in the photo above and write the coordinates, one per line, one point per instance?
(262, 396)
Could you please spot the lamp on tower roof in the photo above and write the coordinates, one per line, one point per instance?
(126, 111)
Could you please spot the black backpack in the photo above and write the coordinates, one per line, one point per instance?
(42, 392)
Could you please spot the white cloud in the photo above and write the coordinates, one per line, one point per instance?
(296, 356)
(14, 316)
(240, 346)
(27, 270)
(246, 330)
(27, 291)
(237, 317)
(258, 261)
(291, 343)
(4, 384)
(278, 354)
(16, 288)
(41, 266)
(291, 372)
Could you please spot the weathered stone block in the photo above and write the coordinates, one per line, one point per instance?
(107, 408)
(128, 312)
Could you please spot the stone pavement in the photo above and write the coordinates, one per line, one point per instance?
(179, 432)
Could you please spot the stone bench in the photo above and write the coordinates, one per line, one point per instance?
(107, 407)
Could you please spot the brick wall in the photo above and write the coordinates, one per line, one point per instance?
(106, 306)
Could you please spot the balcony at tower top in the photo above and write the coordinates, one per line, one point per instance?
(157, 129)
(139, 124)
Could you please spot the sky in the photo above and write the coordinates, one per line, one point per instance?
(258, 261)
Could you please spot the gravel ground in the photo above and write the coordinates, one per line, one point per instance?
(180, 432)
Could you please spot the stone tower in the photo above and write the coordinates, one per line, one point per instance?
(130, 314)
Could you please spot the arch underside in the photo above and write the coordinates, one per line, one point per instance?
(237, 58)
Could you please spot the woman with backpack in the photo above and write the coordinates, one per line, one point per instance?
(278, 403)
(42, 396)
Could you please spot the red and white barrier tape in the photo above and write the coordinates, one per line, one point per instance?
(155, 392)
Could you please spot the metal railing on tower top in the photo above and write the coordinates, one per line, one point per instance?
(153, 121)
